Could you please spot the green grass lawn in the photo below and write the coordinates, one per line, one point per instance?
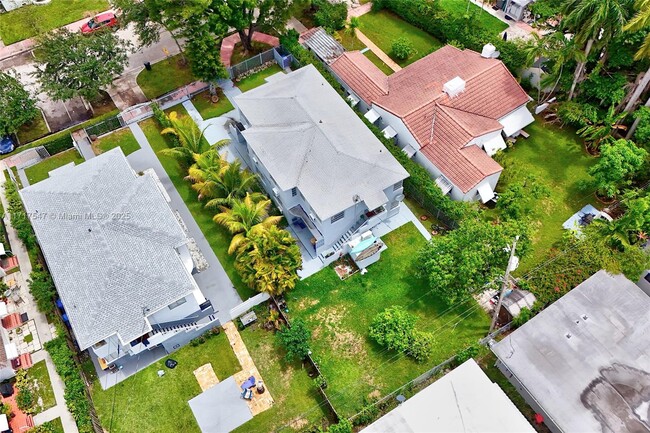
(258, 78)
(123, 138)
(39, 172)
(42, 386)
(217, 236)
(209, 110)
(384, 27)
(296, 398)
(55, 426)
(165, 76)
(147, 403)
(33, 130)
(350, 42)
(340, 313)
(378, 62)
(556, 157)
(458, 8)
(28, 21)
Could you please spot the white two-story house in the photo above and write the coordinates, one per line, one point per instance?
(450, 111)
(325, 170)
(119, 259)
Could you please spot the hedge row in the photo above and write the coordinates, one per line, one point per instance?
(464, 32)
(19, 220)
(75, 391)
(58, 145)
(419, 185)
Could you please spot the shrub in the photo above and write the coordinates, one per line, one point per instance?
(420, 347)
(332, 16)
(619, 163)
(5, 409)
(467, 353)
(393, 328)
(320, 381)
(525, 314)
(42, 289)
(19, 219)
(58, 145)
(402, 48)
(642, 133)
(25, 400)
(608, 89)
(343, 426)
(577, 114)
(295, 340)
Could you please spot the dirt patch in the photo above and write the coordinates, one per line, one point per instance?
(298, 423)
(375, 395)
(347, 343)
(306, 303)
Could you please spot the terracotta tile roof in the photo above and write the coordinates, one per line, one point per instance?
(416, 92)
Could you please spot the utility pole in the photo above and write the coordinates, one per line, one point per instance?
(504, 285)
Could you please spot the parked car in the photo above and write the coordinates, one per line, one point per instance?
(7, 145)
(101, 21)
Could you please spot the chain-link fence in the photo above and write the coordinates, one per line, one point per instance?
(254, 62)
(108, 125)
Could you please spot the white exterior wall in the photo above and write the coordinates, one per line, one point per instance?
(166, 314)
(362, 106)
(404, 136)
(643, 283)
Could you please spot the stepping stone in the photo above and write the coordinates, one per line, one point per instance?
(206, 377)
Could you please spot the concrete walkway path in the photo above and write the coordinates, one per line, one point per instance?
(213, 282)
(375, 49)
(359, 10)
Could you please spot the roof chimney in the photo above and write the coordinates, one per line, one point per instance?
(454, 87)
(489, 52)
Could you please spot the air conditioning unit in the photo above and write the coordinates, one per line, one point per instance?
(489, 52)
(454, 87)
(276, 192)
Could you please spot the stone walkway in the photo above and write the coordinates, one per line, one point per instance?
(206, 376)
(375, 49)
(259, 403)
(228, 44)
(359, 10)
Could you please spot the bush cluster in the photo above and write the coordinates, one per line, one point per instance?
(75, 392)
(295, 340)
(25, 396)
(19, 219)
(402, 48)
(394, 329)
(58, 145)
(42, 289)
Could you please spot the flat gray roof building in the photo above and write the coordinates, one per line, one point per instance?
(110, 240)
(584, 362)
(464, 400)
(308, 137)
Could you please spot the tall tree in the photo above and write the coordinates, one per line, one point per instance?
(205, 59)
(592, 22)
(602, 130)
(70, 64)
(17, 106)
(270, 261)
(619, 163)
(246, 16)
(247, 217)
(640, 21)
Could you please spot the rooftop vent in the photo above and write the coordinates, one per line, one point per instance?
(454, 87)
(568, 335)
(489, 52)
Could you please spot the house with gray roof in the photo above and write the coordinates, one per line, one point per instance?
(584, 362)
(325, 170)
(119, 259)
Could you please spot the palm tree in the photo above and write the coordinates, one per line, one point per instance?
(602, 130)
(232, 184)
(639, 21)
(245, 218)
(270, 262)
(591, 21)
(191, 139)
(205, 173)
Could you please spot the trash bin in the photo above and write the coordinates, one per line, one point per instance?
(147, 66)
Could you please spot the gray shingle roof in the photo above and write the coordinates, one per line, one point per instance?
(109, 238)
(307, 136)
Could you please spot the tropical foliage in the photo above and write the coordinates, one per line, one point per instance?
(295, 340)
(394, 328)
(619, 163)
(191, 140)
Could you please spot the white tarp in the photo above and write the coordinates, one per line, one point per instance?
(517, 120)
(485, 191)
(494, 144)
(372, 116)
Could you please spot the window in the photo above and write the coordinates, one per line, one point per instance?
(177, 303)
(337, 217)
(397, 186)
(294, 191)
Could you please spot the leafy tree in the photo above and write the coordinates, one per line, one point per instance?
(205, 60)
(468, 258)
(521, 198)
(191, 140)
(246, 16)
(592, 21)
(525, 314)
(331, 16)
(18, 106)
(25, 400)
(295, 340)
(607, 89)
(71, 64)
(270, 261)
(246, 218)
(393, 328)
(402, 48)
(603, 129)
(467, 353)
(642, 132)
(619, 163)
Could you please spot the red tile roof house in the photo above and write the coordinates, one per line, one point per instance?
(449, 110)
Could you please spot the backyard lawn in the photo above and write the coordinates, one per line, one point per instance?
(217, 236)
(350, 42)
(458, 8)
(165, 76)
(147, 403)
(40, 171)
(28, 21)
(258, 78)
(209, 110)
(555, 157)
(384, 27)
(339, 314)
(42, 387)
(123, 138)
(33, 130)
(296, 397)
